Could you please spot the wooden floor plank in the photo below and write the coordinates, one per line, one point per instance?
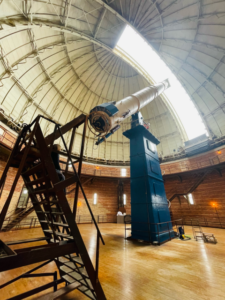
(177, 270)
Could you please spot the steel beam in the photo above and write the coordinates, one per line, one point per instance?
(26, 257)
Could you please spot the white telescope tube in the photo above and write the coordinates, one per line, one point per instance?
(103, 122)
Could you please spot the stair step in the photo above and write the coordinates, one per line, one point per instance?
(70, 268)
(66, 269)
(75, 258)
(78, 260)
(38, 181)
(76, 275)
(69, 279)
(67, 236)
(83, 289)
(33, 170)
(70, 264)
(88, 282)
(90, 294)
(42, 190)
(62, 259)
(54, 223)
(84, 272)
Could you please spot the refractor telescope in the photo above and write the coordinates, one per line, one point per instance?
(106, 118)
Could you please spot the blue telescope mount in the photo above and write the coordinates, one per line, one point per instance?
(150, 216)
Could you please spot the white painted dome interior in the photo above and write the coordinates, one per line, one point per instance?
(57, 59)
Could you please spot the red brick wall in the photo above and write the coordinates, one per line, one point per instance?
(6, 137)
(107, 198)
(106, 189)
(8, 184)
(210, 192)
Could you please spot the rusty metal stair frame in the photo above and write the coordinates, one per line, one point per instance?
(44, 192)
(63, 204)
(18, 218)
(47, 192)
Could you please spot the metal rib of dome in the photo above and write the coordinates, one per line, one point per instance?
(57, 60)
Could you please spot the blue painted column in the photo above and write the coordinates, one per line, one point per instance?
(149, 205)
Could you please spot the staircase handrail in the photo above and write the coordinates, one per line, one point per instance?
(85, 198)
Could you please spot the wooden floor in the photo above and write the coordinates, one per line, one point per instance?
(178, 270)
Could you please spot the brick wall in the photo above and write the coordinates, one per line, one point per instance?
(106, 189)
(211, 191)
(107, 199)
(209, 199)
(8, 184)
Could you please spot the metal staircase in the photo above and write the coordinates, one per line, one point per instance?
(32, 156)
(17, 218)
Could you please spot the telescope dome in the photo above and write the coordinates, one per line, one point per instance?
(58, 60)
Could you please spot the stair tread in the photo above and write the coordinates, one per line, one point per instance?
(83, 288)
(32, 170)
(70, 264)
(69, 278)
(78, 260)
(42, 190)
(75, 258)
(88, 282)
(66, 269)
(84, 272)
(37, 181)
(62, 259)
(55, 223)
(90, 294)
(59, 234)
(76, 275)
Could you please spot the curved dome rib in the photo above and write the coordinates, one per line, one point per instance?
(57, 59)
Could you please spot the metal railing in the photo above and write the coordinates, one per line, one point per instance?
(14, 213)
(29, 222)
(54, 283)
(33, 222)
(214, 160)
(206, 222)
(98, 172)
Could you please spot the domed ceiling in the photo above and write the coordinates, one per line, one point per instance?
(57, 59)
